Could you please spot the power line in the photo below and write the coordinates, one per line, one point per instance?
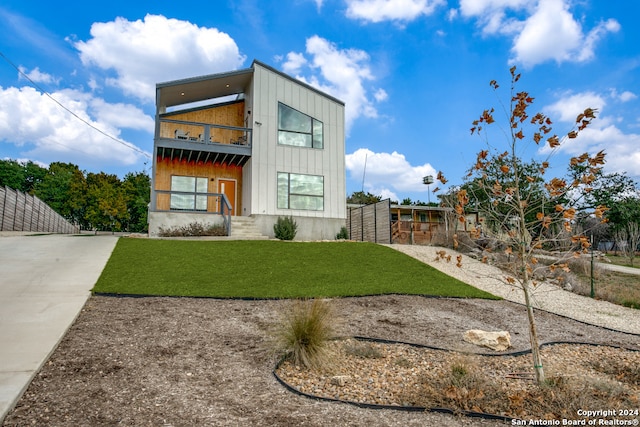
(119, 141)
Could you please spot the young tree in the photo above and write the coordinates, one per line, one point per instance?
(527, 212)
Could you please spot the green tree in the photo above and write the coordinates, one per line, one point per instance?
(21, 176)
(137, 187)
(106, 207)
(624, 217)
(518, 202)
(64, 188)
(362, 198)
(489, 173)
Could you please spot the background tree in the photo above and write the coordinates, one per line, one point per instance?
(624, 217)
(21, 176)
(106, 202)
(95, 200)
(515, 198)
(362, 198)
(64, 189)
(137, 187)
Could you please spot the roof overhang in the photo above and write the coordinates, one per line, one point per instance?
(201, 88)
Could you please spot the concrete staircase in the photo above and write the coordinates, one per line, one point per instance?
(244, 228)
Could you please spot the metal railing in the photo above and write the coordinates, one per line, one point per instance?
(222, 203)
(205, 133)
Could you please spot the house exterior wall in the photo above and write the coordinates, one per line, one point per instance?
(166, 168)
(257, 180)
(268, 157)
(231, 114)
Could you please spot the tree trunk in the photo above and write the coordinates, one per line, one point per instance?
(533, 337)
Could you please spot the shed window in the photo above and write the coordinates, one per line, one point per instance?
(185, 195)
(298, 129)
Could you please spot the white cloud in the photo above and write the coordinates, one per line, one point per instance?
(157, 49)
(295, 61)
(391, 10)
(47, 132)
(569, 105)
(625, 96)
(390, 172)
(343, 73)
(622, 149)
(492, 16)
(38, 76)
(542, 31)
(381, 95)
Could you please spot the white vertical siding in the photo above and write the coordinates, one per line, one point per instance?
(269, 158)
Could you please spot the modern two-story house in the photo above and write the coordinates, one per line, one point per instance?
(253, 143)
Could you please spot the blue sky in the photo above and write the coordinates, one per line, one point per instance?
(414, 74)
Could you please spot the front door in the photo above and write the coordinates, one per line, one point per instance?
(228, 187)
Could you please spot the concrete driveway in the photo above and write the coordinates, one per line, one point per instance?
(44, 282)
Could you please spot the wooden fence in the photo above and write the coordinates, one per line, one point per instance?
(23, 212)
(371, 223)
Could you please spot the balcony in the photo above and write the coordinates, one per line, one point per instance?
(193, 141)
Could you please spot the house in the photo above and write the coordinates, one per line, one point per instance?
(422, 225)
(386, 222)
(248, 145)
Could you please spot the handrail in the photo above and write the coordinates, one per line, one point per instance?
(224, 208)
(185, 122)
(227, 218)
(207, 131)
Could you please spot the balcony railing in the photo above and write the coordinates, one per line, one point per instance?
(205, 133)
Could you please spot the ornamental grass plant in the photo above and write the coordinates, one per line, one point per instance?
(304, 331)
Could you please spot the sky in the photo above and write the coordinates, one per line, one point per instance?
(77, 79)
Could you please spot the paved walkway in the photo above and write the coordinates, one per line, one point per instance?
(44, 283)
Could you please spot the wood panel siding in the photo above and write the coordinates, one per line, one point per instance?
(226, 115)
(166, 168)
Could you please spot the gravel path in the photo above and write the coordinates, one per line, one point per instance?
(546, 297)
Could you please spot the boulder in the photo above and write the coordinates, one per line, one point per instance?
(498, 340)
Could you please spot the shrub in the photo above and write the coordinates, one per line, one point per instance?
(193, 229)
(304, 333)
(343, 234)
(285, 229)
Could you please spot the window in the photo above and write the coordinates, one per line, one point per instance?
(298, 129)
(189, 202)
(297, 191)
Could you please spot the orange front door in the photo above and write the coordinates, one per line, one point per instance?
(228, 187)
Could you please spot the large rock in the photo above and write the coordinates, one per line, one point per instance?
(498, 340)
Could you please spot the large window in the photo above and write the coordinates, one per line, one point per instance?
(192, 201)
(297, 191)
(296, 128)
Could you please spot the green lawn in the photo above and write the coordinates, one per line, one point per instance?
(270, 269)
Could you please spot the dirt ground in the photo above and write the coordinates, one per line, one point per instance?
(192, 362)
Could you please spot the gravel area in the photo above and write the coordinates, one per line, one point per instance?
(546, 297)
(395, 375)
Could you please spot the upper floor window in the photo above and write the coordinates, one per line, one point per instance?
(296, 128)
(188, 197)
